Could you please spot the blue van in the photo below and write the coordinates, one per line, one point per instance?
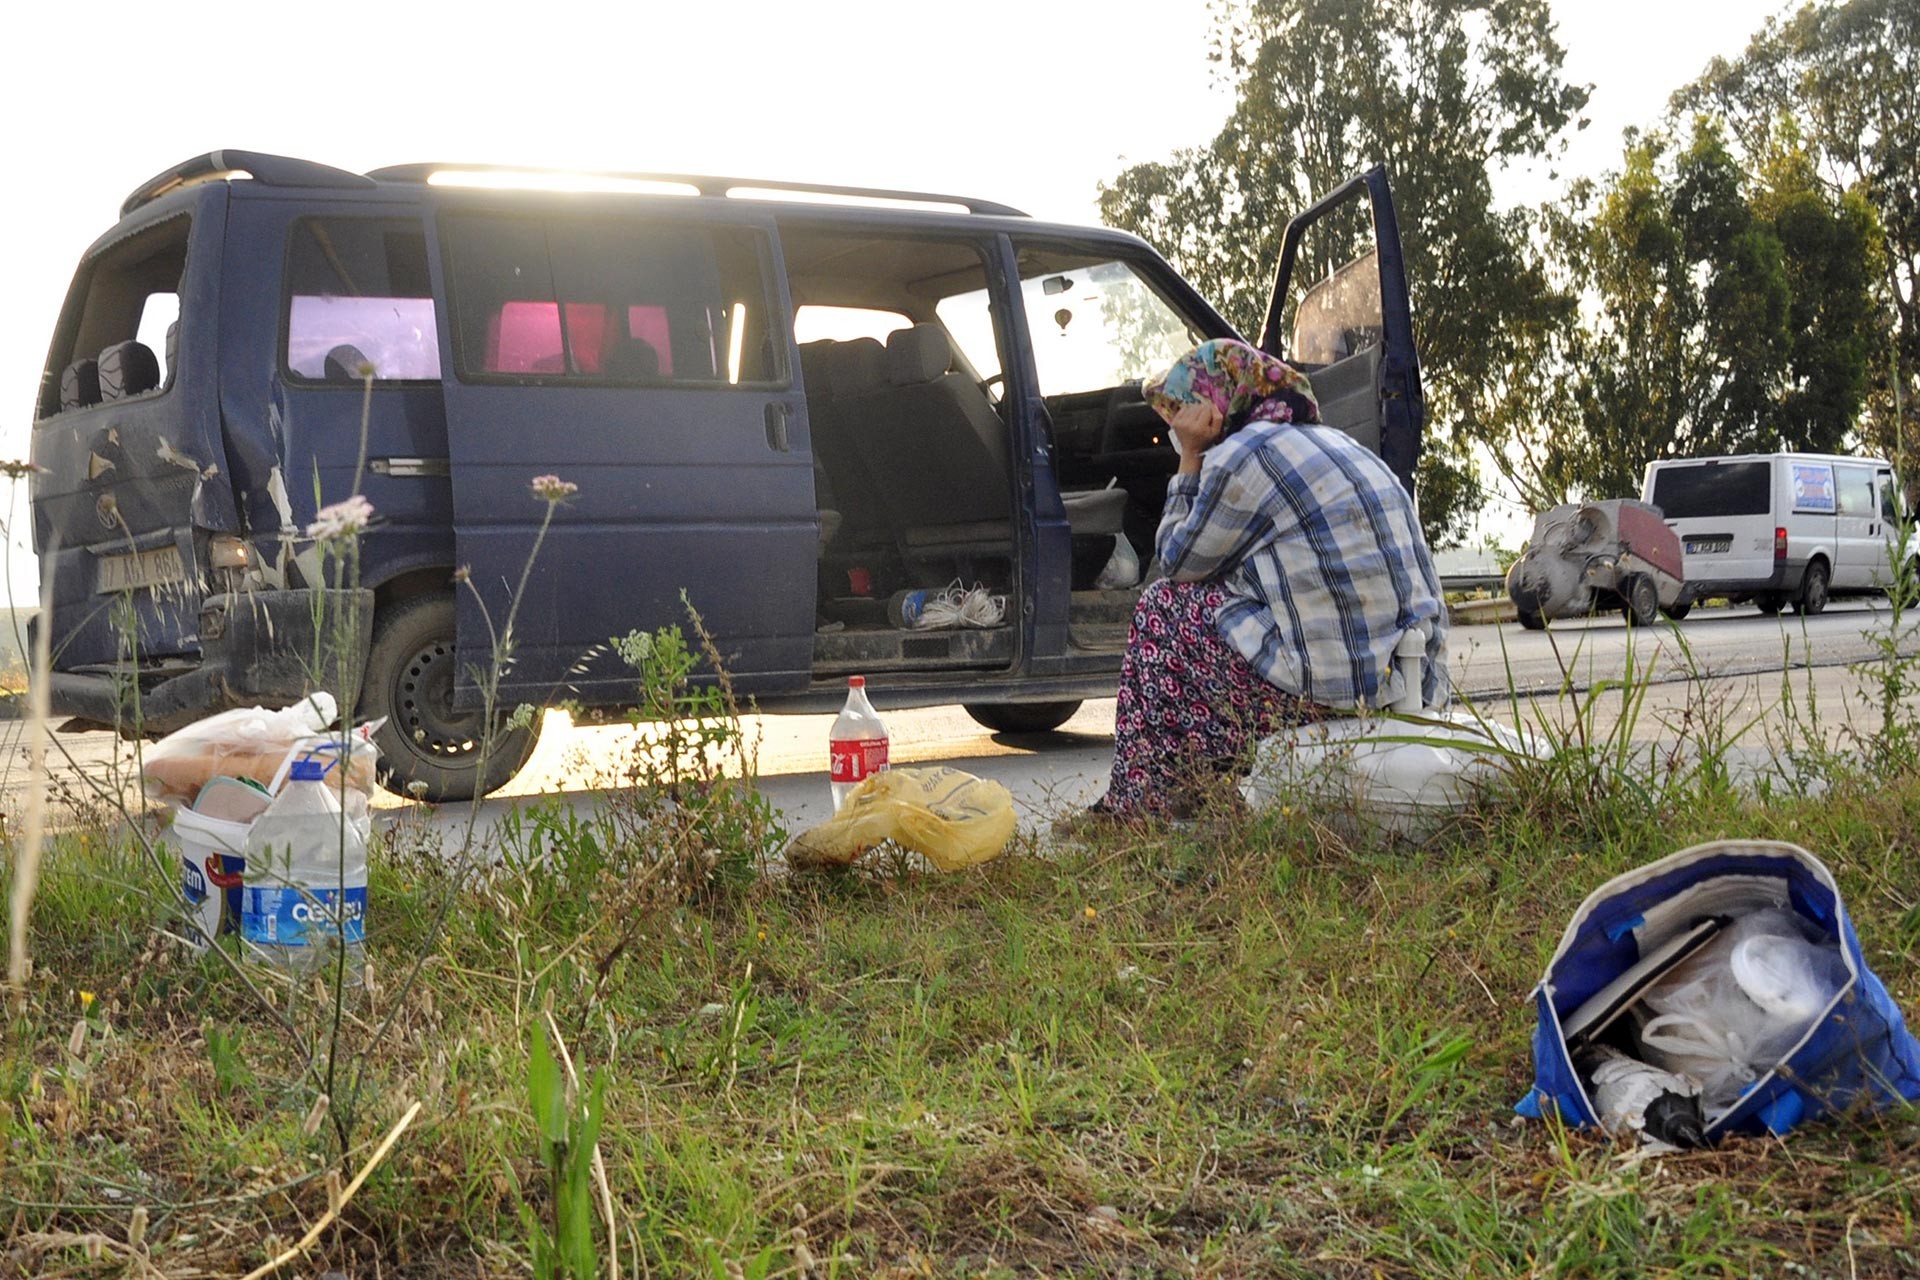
(784, 402)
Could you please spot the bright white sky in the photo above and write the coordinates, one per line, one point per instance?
(1030, 102)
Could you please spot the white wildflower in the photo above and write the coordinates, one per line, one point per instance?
(553, 488)
(343, 519)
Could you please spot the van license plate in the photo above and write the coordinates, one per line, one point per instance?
(1708, 546)
(142, 569)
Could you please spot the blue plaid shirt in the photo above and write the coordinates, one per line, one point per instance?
(1320, 552)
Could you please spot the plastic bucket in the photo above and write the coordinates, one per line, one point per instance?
(212, 857)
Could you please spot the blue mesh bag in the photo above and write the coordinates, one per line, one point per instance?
(1857, 1052)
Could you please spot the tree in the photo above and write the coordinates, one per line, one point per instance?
(1442, 91)
(1724, 314)
(1846, 79)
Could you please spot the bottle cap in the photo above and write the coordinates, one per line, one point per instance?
(308, 771)
(856, 682)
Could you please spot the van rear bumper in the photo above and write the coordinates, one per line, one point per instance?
(1786, 577)
(256, 650)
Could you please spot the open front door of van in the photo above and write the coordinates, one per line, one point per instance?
(1351, 329)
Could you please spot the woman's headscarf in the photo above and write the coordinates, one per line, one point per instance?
(1245, 384)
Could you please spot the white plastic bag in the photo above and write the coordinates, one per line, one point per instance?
(249, 742)
(1400, 776)
(1123, 566)
(1729, 1014)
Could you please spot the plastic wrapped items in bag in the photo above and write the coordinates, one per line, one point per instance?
(955, 819)
(1828, 1047)
(1729, 1013)
(1400, 776)
(250, 742)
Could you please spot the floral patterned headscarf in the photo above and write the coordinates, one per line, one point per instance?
(1245, 384)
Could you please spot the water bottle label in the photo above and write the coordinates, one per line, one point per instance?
(855, 760)
(288, 917)
(193, 885)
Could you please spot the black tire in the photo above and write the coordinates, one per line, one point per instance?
(1813, 590)
(1022, 717)
(1642, 601)
(1530, 620)
(1769, 604)
(426, 747)
(1679, 609)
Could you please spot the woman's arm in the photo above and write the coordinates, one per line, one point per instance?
(1211, 518)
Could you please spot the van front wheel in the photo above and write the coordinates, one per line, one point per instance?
(1022, 717)
(428, 749)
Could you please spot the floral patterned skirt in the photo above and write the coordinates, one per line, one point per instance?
(1190, 707)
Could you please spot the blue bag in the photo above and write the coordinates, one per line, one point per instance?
(1858, 1051)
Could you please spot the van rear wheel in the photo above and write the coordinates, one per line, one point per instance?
(1022, 717)
(1813, 591)
(428, 748)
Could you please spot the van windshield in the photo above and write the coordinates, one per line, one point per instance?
(1713, 489)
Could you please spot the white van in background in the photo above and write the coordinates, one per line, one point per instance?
(1781, 529)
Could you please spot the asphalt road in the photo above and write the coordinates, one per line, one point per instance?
(1737, 650)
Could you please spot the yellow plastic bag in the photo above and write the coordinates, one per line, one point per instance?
(955, 819)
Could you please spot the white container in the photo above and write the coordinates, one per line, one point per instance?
(306, 876)
(858, 746)
(212, 850)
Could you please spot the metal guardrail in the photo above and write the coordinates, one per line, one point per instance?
(1472, 582)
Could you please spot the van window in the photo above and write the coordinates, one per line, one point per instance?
(1096, 323)
(159, 331)
(1889, 499)
(814, 323)
(358, 297)
(1856, 491)
(1714, 489)
(611, 302)
(123, 301)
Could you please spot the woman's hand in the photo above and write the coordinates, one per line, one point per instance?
(1198, 427)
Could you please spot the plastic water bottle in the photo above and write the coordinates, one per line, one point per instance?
(306, 890)
(857, 747)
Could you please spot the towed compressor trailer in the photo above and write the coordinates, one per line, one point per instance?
(1586, 555)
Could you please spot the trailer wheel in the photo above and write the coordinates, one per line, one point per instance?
(1643, 601)
(1769, 604)
(426, 743)
(1679, 609)
(1530, 620)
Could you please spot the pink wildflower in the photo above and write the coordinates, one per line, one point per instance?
(343, 519)
(553, 488)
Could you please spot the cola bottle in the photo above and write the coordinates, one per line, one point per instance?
(857, 746)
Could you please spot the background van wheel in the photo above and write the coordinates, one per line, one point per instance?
(1022, 717)
(1813, 590)
(425, 741)
(1530, 620)
(1642, 601)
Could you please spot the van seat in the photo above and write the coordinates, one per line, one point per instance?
(128, 369)
(80, 384)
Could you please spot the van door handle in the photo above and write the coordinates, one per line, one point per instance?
(777, 437)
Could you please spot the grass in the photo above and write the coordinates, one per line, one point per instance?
(1254, 1048)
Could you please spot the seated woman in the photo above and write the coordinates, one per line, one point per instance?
(1292, 565)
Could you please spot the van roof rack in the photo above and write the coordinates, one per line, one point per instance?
(277, 171)
(705, 184)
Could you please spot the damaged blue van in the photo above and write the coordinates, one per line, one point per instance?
(782, 404)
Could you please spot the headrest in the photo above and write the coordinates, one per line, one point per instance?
(917, 355)
(173, 352)
(345, 363)
(128, 369)
(80, 384)
(859, 366)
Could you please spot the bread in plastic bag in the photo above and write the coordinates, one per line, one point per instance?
(1729, 1014)
(250, 742)
(955, 819)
